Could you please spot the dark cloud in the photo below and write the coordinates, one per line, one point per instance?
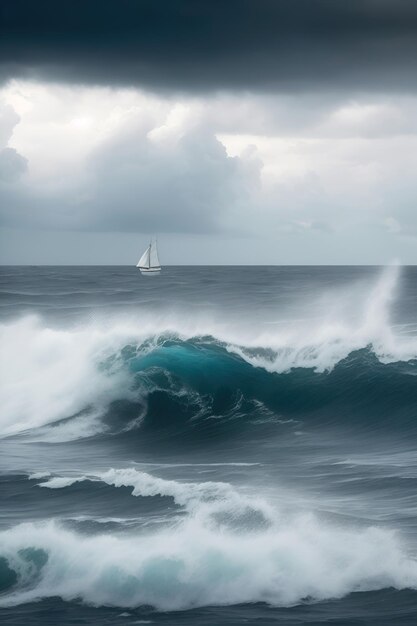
(213, 44)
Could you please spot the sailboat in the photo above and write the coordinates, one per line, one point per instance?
(149, 264)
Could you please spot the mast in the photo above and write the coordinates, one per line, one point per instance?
(149, 261)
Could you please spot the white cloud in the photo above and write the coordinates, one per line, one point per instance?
(104, 159)
(98, 159)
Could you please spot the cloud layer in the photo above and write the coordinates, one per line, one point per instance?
(201, 45)
(287, 126)
(126, 161)
(140, 164)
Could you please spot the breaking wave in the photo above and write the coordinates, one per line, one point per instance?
(202, 559)
(207, 500)
(89, 379)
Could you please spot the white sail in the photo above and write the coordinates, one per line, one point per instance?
(149, 264)
(154, 259)
(145, 259)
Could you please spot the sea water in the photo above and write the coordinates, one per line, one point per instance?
(218, 445)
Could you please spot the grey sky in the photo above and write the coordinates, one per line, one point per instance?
(284, 133)
(212, 44)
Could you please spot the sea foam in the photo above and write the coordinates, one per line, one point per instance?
(193, 563)
(208, 500)
(50, 374)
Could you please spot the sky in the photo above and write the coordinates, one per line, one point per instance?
(237, 132)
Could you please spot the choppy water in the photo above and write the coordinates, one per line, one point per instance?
(211, 446)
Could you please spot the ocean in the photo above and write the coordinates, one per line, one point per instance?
(213, 446)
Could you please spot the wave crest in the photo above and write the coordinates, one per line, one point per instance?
(52, 374)
(203, 559)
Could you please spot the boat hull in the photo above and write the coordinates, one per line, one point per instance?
(150, 272)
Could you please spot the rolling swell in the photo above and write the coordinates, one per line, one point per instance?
(218, 554)
(209, 381)
(201, 390)
(177, 375)
(202, 386)
(307, 493)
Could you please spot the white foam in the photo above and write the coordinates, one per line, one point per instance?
(39, 475)
(48, 374)
(206, 499)
(193, 565)
(59, 482)
(183, 493)
(201, 559)
(322, 345)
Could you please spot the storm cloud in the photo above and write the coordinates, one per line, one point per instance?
(287, 127)
(289, 45)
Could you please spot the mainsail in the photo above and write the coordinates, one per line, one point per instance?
(154, 259)
(145, 259)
